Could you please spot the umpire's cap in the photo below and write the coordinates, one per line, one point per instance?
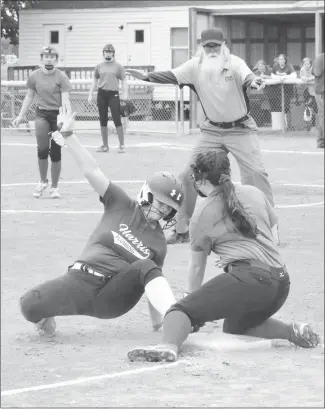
(212, 35)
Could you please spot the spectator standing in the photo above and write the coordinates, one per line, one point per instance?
(309, 93)
(262, 70)
(282, 70)
(318, 72)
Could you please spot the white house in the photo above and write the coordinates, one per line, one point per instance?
(157, 33)
(163, 34)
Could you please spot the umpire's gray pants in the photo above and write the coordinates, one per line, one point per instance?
(243, 144)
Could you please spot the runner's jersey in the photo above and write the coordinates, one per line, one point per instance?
(123, 235)
(210, 231)
(49, 88)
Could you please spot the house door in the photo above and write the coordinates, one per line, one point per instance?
(138, 49)
(53, 34)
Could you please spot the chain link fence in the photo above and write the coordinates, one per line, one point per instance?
(281, 106)
(149, 107)
(161, 108)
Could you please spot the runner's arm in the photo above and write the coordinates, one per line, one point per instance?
(88, 165)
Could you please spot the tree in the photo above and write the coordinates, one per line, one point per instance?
(10, 17)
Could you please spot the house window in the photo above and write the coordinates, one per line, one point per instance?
(139, 36)
(179, 45)
(238, 38)
(54, 37)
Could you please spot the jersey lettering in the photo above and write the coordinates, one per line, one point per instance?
(126, 232)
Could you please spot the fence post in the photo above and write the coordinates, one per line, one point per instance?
(176, 110)
(283, 108)
(182, 110)
(12, 100)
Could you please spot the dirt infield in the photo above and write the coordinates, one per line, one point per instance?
(86, 365)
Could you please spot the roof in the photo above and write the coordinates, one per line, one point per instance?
(75, 4)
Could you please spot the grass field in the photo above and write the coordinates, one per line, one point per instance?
(86, 365)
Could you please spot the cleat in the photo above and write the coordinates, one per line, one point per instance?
(177, 238)
(103, 148)
(121, 149)
(303, 336)
(46, 328)
(40, 188)
(55, 194)
(158, 353)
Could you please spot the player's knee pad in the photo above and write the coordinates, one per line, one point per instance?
(30, 306)
(43, 153)
(147, 270)
(55, 152)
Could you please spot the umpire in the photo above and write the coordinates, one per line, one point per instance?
(220, 80)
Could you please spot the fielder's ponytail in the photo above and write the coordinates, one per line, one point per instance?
(235, 210)
(215, 167)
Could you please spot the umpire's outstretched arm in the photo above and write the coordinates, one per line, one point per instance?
(160, 77)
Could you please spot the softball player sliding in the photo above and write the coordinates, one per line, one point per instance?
(107, 75)
(122, 258)
(220, 80)
(51, 87)
(236, 224)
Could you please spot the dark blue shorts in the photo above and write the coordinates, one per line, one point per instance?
(245, 296)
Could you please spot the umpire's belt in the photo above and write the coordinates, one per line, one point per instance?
(275, 272)
(227, 125)
(86, 269)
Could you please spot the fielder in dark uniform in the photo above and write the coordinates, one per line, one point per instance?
(123, 257)
(236, 224)
(51, 87)
(107, 75)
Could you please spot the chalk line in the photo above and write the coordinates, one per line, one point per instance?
(298, 205)
(166, 145)
(71, 182)
(189, 148)
(75, 182)
(67, 211)
(135, 145)
(90, 379)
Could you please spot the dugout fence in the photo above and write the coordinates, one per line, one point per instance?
(153, 108)
(163, 108)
